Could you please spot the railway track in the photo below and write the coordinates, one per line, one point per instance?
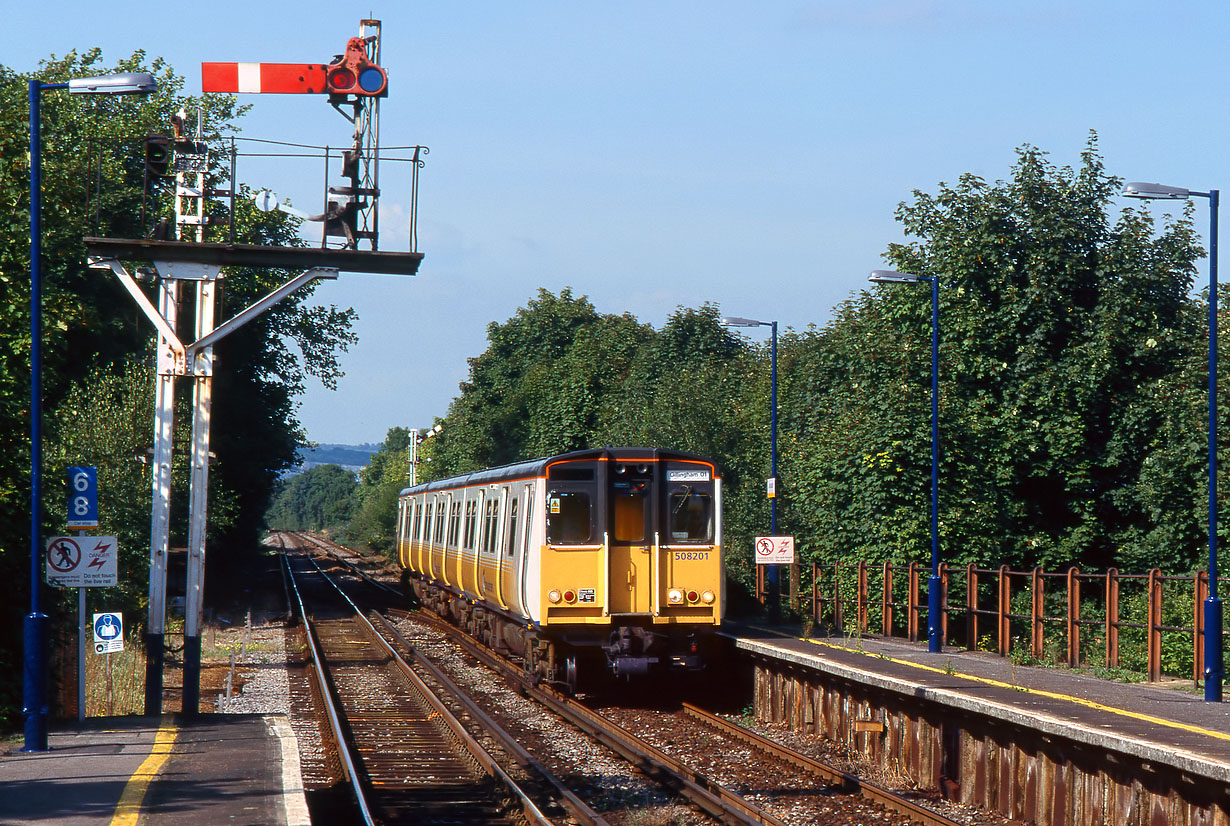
(723, 770)
(404, 755)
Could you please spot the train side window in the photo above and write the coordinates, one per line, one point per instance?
(416, 522)
(569, 517)
(440, 505)
(454, 523)
(491, 529)
(689, 514)
(510, 538)
(469, 528)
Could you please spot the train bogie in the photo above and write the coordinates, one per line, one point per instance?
(611, 554)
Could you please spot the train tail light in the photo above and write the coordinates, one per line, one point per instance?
(570, 597)
(693, 596)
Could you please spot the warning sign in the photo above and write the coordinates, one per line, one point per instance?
(82, 562)
(775, 550)
(108, 633)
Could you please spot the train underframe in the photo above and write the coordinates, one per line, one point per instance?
(629, 648)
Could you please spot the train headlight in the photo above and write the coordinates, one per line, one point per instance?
(674, 596)
(553, 596)
(707, 597)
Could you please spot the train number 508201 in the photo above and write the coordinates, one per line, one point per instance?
(702, 555)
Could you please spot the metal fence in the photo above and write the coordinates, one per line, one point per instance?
(1151, 624)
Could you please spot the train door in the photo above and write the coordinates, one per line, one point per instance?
(630, 526)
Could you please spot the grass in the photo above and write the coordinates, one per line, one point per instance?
(124, 692)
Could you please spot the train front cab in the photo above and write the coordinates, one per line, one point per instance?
(632, 561)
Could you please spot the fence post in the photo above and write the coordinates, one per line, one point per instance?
(817, 611)
(1074, 618)
(1037, 608)
(971, 607)
(1112, 618)
(886, 601)
(1154, 625)
(862, 596)
(913, 603)
(839, 610)
(1202, 593)
(1005, 607)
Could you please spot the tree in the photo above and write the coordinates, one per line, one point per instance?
(95, 184)
(375, 512)
(321, 499)
(1062, 335)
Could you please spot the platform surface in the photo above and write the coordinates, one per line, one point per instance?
(208, 769)
(1172, 724)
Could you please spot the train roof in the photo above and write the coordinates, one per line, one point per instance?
(538, 467)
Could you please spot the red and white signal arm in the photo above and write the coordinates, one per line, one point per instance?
(264, 78)
(774, 550)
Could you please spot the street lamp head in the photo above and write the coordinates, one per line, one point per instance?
(894, 277)
(1138, 189)
(124, 83)
(735, 321)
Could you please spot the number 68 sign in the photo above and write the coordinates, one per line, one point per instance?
(82, 497)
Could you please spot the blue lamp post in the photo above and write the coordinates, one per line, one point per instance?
(935, 641)
(1213, 657)
(34, 661)
(735, 321)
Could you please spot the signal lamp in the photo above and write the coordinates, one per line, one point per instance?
(157, 155)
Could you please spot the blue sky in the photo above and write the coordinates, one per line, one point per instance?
(652, 155)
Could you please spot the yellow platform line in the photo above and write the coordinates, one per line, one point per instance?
(129, 808)
(1053, 695)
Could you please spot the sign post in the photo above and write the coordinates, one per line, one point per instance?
(82, 513)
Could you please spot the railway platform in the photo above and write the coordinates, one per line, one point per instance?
(187, 771)
(999, 734)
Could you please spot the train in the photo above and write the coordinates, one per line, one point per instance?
(600, 561)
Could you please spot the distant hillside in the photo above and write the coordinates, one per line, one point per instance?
(352, 457)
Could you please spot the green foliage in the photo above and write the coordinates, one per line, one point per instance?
(376, 495)
(97, 407)
(320, 499)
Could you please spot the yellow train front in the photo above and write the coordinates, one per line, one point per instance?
(598, 556)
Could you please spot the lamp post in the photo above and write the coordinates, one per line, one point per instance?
(735, 321)
(1213, 657)
(34, 660)
(935, 641)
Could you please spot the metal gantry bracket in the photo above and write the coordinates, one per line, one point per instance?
(193, 360)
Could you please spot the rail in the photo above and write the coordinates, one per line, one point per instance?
(1151, 623)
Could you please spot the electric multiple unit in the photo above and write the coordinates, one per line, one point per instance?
(608, 555)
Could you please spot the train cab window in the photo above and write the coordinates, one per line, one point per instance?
(629, 507)
(689, 514)
(569, 517)
(630, 486)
